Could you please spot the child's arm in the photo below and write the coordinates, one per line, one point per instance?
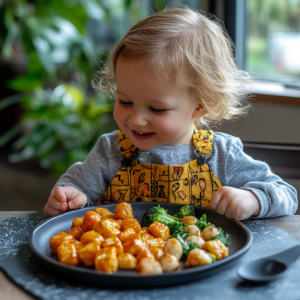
(238, 170)
(235, 203)
(89, 179)
(64, 198)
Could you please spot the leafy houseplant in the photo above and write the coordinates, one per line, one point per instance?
(62, 118)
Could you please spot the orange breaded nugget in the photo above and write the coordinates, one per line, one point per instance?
(78, 245)
(77, 222)
(128, 234)
(143, 230)
(123, 210)
(217, 248)
(144, 252)
(147, 236)
(159, 230)
(157, 252)
(156, 242)
(113, 242)
(58, 239)
(90, 218)
(76, 232)
(106, 260)
(130, 223)
(67, 254)
(88, 252)
(91, 237)
(104, 212)
(134, 246)
(108, 227)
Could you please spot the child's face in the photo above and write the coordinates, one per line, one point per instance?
(153, 111)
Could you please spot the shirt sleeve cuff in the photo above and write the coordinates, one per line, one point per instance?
(262, 199)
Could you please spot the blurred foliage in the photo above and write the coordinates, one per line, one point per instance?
(264, 18)
(63, 118)
(269, 16)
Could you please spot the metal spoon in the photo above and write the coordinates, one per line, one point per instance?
(269, 268)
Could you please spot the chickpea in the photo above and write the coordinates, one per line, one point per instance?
(149, 265)
(195, 239)
(169, 262)
(198, 257)
(209, 232)
(192, 229)
(173, 247)
(189, 220)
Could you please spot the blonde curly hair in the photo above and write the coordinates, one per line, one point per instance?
(181, 39)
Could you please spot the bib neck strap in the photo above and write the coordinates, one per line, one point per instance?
(202, 140)
(127, 148)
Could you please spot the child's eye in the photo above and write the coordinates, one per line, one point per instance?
(157, 111)
(124, 103)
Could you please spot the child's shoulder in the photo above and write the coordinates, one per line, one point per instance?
(224, 141)
(109, 140)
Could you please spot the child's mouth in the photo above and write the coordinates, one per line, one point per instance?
(142, 135)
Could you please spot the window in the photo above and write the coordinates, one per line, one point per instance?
(273, 40)
(266, 34)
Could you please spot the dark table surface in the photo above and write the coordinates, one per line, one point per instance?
(10, 291)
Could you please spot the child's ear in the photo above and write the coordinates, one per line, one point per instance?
(199, 111)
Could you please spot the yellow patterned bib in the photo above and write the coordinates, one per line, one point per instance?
(193, 183)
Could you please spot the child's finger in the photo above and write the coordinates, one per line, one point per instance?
(216, 198)
(222, 206)
(78, 201)
(60, 193)
(50, 211)
(232, 212)
(54, 203)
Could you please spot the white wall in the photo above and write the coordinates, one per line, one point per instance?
(268, 122)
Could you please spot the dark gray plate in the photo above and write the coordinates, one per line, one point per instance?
(240, 242)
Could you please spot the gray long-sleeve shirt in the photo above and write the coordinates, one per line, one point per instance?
(231, 165)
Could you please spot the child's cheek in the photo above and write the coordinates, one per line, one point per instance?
(118, 116)
(168, 129)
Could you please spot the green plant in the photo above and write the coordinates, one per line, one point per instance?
(59, 126)
(63, 118)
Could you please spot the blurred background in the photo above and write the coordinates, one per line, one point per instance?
(50, 117)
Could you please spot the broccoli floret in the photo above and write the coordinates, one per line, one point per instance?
(185, 211)
(176, 227)
(158, 214)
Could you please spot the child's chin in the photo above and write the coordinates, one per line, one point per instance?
(144, 147)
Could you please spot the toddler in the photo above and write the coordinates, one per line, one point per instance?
(173, 75)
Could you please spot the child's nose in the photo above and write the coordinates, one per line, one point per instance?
(137, 118)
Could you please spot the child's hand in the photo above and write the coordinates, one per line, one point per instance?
(64, 198)
(235, 203)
